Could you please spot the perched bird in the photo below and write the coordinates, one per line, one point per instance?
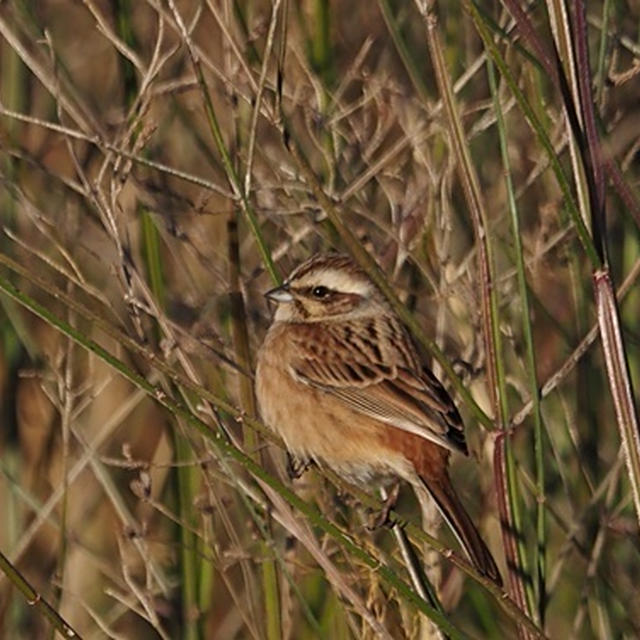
(339, 379)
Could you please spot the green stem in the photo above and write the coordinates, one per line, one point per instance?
(35, 600)
(539, 549)
(240, 335)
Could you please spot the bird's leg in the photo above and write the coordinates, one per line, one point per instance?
(381, 518)
(297, 466)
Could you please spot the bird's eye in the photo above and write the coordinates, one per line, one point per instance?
(320, 292)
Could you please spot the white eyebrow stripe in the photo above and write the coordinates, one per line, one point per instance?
(338, 280)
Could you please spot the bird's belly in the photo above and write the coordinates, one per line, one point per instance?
(316, 425)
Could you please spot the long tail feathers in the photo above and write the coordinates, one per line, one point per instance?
(458, 519)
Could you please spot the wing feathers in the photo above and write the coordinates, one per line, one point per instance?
(372, 366)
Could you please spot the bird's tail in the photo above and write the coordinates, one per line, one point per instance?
(458, 519)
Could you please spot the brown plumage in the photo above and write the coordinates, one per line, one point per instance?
(338, 377)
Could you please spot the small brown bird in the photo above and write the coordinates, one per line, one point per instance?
(339, 379)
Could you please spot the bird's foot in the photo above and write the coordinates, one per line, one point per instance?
(297, 466)
(381, 519)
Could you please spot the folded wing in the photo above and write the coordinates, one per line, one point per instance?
(373, 367)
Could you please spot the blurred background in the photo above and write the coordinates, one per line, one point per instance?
(161, 166)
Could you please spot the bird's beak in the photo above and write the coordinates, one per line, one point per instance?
(280, 294)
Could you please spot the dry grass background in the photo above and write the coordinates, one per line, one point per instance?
(133, 226)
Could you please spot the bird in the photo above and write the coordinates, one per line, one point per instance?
(339, 379)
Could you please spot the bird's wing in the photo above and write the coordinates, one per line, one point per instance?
(373, 368)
